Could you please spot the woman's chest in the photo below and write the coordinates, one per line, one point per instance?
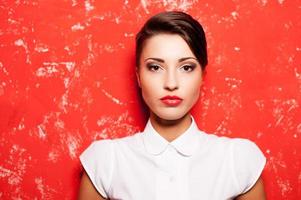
(171, 176)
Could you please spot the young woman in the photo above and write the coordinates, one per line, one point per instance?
(172, 159)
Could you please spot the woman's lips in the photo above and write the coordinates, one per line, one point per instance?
(171, 100)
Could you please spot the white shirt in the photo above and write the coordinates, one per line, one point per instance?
(194, 166)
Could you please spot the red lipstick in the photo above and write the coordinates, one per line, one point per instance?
(171, 100)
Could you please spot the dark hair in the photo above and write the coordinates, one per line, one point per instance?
(175, 22)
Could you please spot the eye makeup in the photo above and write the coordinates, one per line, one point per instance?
(153, 67)
(188, 67)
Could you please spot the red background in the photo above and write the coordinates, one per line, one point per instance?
(67, 78)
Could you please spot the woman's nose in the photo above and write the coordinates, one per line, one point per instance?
(171, 82)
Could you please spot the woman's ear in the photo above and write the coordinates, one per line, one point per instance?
(138, 77)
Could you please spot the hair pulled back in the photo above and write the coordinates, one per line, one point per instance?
(179, 23)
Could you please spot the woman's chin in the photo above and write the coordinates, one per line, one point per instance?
(169, 116)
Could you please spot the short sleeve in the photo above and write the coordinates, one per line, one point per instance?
(248, 163)
(97, 161)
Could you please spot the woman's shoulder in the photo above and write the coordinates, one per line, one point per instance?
(234, 143)
(129, 140)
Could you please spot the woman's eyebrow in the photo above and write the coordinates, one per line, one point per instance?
(162, 61)
(186, 58)
(156, 59)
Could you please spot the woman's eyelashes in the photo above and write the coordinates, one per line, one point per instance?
(184, 68)
(153, 67)
(188, 67)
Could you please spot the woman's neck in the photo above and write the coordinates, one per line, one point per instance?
(170, 129)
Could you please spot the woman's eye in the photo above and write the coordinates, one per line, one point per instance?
(153, 67)
(187, 68)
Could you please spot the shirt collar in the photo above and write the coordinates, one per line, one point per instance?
(185, 144)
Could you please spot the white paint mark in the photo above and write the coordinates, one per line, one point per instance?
(101, 17)
(117, 20)
(18, 162)
(234, 14)
(237, 48)
(21, 125)
(263, 2)
(275, 162)
(233, 82)
(74, 3)
(183, 5)
(279, 120)
(144, 5)
(129, 34)
(259, 134)
(98, 84)
(222, 128)
(268, 151)
(1, 90)
(12, 21)
(109, 48)
(45, 191)
(281, 113)
(51, 68)
(291, 59)
(67, 82)
(14, 180)
(293, 103)
(87, 96)
(46, 71)
(41, 48)
(298, 48)
(41, 133)
(13, 177)
(110, 127)
(88, 6)
(3, 69)
(67, 48)
(5, 172)
(281, 1)
(21, 43)
(299, 129)
(77, 27)
(53, 156)
(59, 124)
(260, 104)
(102, 121)
(69, 65)
(298, 74)
(73, 144)
(114, 99)
(284, 186)
(40, 187)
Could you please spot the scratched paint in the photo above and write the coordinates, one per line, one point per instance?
(67, 78)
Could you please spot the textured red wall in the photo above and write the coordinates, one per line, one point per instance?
(67, 78)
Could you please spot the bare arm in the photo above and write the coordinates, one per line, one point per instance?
(255, 193)
(87, 189)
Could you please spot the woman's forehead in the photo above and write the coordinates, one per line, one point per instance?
(166, 46)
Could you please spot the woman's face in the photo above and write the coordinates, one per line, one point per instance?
(169, 76)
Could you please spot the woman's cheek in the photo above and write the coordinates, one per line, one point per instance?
(195, 92)
(148, 93)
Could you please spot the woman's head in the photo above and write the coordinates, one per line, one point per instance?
(170, 63)
(179, 23)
